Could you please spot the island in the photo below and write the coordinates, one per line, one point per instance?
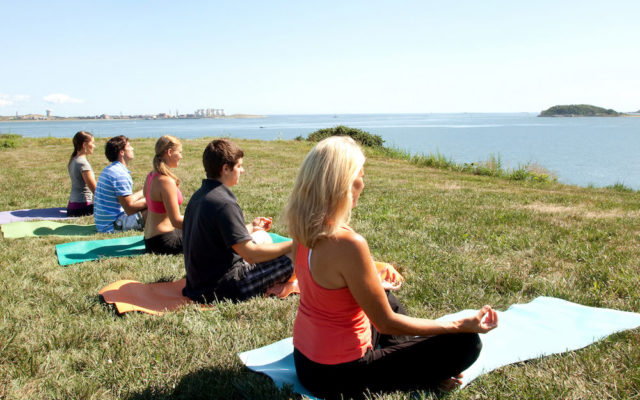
(579, 110)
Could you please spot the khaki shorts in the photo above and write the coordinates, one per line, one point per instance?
(126, 222)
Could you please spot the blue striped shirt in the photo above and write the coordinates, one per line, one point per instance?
(115, 180)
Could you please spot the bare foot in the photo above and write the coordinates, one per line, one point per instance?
(450, 384)
(283, 290)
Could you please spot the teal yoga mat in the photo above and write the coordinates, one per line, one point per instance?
(277, 238)
(542, 327)
(77, 252)
(22, 229)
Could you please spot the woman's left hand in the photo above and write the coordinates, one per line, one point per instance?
(483, 321)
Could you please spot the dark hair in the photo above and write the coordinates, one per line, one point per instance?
(219, 153)
(79, 139)
(114, 146)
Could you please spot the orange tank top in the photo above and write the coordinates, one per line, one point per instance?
(330, 327)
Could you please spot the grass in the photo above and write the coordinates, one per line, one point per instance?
(460, 239)
(490, 167)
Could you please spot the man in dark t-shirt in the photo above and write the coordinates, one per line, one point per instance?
(221, 258)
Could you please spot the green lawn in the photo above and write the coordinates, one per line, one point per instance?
(460, 240)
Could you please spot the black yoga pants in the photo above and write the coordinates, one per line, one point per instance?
(394, 363)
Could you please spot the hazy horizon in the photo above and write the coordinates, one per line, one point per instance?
(290, 58)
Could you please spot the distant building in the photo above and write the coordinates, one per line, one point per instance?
(209, 113)
(48, 113)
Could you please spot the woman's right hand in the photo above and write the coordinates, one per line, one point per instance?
(261, 223)
(485, 320)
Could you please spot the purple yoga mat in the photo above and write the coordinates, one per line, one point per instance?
(27, 215)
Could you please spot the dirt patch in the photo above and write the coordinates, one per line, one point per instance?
(447, 186)
(580, 210)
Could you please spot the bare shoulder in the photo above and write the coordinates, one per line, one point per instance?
(165, 181)
(347, 243)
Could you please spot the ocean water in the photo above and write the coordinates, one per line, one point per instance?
(580, 151)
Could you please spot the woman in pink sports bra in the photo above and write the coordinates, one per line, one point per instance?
(351, 335)
(163, 228)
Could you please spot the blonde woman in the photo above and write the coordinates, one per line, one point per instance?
(350, 335)
(83, 181)
(163, 227)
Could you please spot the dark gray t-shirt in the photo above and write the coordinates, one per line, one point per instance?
(80, 192)
(213, 222)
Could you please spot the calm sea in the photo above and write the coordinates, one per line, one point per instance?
(580, 151)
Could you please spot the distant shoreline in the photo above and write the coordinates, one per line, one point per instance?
(64, 119)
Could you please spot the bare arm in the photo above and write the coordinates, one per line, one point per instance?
(133, 203)
(169, 193)
(354, 262)
(90, 180)
(255, 253)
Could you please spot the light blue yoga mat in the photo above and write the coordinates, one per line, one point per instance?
(542, 327)
(33, 214)
(76, 252)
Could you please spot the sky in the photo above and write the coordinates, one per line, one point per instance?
(89, 57)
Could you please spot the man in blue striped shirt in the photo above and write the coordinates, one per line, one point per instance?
(116, 207)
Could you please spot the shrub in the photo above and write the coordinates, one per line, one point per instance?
(10, 140)
(619, 187)
(360, 136)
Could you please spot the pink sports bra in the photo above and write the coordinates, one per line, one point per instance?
(157, 206)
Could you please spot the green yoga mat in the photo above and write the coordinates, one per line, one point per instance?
(22, 229)
(77, 252)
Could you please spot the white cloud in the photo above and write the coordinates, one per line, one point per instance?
(21, 97)
(7, 100)
(60, 98)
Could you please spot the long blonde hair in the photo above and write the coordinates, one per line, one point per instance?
(321, 200)
(163, 144)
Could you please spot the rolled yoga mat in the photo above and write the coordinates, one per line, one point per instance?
(22, 229)
(542, 327)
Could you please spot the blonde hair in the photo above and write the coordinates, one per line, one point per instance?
(321, 200)
(163, 144)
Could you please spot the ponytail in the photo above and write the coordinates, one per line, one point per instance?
(78, 141)
(163, 145)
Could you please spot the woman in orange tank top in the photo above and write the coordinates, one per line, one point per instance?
(163, 227)
(351, 334)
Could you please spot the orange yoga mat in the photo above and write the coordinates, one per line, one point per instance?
(151, 298)
(160, 297)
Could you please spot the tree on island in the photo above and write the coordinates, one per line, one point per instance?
(579, 110)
